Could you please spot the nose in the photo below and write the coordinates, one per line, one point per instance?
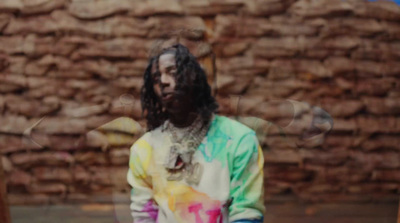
(166, 80)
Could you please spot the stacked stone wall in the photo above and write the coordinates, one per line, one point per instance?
(69, 66)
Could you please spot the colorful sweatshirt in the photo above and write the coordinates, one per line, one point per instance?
(230, 188)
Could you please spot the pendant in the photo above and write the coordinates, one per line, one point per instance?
(175, 175)
(194, 173)
(190, 144)
(172, 158)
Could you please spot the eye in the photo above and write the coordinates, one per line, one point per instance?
(156, 76)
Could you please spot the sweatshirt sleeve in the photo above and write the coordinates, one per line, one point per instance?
(247, 181)
(143, 207)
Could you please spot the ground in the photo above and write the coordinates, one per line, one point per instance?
(276, 212)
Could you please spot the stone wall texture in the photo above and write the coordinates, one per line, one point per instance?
(67, 67)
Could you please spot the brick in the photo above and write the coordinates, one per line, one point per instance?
(266, 7)
(321, 54)
(11, 5)
(392, 29)
(382, 106)
(316, 188)
(31, 108)
(340, 174)
(386, 175)
(375, 69)
(321, 8)
(115, 176)
(272, 93)
(94, 122)
(64, 142)
(271, 110)
(42, 6)
(16, 64)
(369, 124)
(257, 27)
(19, 178)
(92, 9)
(375, 86)
(334, 140)
(10, 144)
(334, 156)
(35, 69)
(4, 20)
(273, 187)
(313, 68)
(149, 8)
(81, 175)
(283, 156)
(55, 89)
(282, 47)
(232, 86)
(340, 43)
(119, 156)
(91, 158)
(336, 197)
(113, 26)
(114, 48)
(44, 158)
(189, 27)
(373, 50)
(370, 187)
(341, 108)
(287, 173)
(123, 125)
(43, 24)
(52, 174)
(351, 26)
(84, 110)
(14, 124)
(339, 65)
(12, 45)
(210, 8)
(48, 188)
(386, 10)
(135, 68)
(128, 83)
(61, 125)
(7, 165)
(381, 142)
(372, 160)
(247, 66)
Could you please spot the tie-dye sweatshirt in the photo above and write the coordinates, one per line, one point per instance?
(230, 188)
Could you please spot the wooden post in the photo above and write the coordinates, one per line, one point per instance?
(4, 209)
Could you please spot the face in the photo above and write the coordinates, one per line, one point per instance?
(165, 85)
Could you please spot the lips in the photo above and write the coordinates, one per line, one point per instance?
(167, 96)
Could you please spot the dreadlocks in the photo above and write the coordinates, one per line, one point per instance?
(189, 75)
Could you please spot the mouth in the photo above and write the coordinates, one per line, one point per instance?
(167, 96)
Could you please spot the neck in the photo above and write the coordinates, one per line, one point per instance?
(182, 120)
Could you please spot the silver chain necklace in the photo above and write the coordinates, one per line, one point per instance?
(179, 161)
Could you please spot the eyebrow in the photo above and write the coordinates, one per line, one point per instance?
(170, 67)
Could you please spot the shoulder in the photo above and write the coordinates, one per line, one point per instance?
(143, 143)
(146, 141)
(230, 127)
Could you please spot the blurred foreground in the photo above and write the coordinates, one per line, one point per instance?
(286, 212)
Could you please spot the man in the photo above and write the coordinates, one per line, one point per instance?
(192, 165)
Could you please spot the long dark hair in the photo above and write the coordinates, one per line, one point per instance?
(187, 66)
